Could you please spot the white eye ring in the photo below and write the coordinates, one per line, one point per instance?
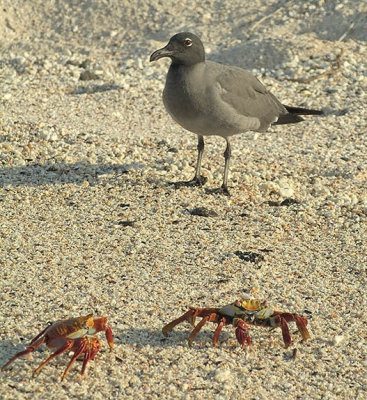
(188, 42)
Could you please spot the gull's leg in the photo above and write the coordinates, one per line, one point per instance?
(198, 179)
(227, 157)
(224, 188)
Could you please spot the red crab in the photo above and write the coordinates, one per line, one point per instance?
(74, 334)
(240, 314)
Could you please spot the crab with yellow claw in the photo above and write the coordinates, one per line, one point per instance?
(74, 334)
(240, 314)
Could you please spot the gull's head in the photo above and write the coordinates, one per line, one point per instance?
(184, 48)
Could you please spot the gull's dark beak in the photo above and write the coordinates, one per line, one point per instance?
(166, 51)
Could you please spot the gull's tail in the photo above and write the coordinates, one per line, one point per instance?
(294, 113)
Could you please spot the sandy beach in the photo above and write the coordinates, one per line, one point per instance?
(90, 221)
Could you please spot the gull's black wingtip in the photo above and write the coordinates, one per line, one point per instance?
(303, 111)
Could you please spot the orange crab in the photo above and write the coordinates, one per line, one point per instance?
(74, 334)
(240, 314)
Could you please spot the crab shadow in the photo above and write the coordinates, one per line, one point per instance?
(140, 338)
(155, 338)
(9, 348)
(60, 173)
(21, 369)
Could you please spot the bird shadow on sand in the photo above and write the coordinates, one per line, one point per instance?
(268, 54)
(60, 173)
(94, 88)
(335, 25)
(326, 23)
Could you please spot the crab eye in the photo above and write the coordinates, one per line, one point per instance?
(188, 42)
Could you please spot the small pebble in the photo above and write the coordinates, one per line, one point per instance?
(338, 339)
(203, 212)
(88, 76)
(223, 375)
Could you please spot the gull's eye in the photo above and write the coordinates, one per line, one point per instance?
(188, 42)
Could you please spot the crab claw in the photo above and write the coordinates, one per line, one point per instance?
(98, 325)
(301, 323)
(109, 337)
(285, 332)
(241, 332)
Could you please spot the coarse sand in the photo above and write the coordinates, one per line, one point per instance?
(90, 220)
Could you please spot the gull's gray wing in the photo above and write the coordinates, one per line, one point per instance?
(246, 95)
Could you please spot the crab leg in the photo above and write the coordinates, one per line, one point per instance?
(29, 349)
(207, 318)
(189, 316)
(68, 345)
(40, 334)
(197, 329)
(203, 312)
(76, 354)
(89, 355)
(217, 332)
(169, 327)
